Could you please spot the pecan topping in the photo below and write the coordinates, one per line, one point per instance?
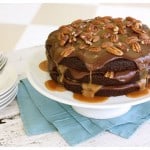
(94, 49)
(87, 37)
(114, 50)
(109, 26)
(63, 38)
(146, 41)
(92, 28)
(66, 29)
(106, 19)
(109, 74)
(76, 23)
(128, 23)
(138, 30)
(122, 46)
(67, 51)
(105, 35)
(132, 39)
(106, 44)
(114, 38)
(116, 29)
(144, 36)
(96, 38)
(136, 47)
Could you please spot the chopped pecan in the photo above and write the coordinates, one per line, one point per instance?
(106, 44)
(114, 50)
(67, 51)
(87, 37)
(94, 49)
(72, 39)
(136, 47)
(114, 38)
(109, 74)
(132, 39)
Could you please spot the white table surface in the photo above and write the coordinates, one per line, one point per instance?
(11, 130)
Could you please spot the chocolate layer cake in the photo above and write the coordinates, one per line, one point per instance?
(103, 56)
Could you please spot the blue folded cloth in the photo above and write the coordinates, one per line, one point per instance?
(41, 114)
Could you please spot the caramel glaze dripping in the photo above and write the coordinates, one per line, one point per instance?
(139, 93)
(44, 65)
(53, 86)
(83, 98)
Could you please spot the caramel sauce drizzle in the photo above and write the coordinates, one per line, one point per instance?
(139, 93)
(95, 99)
(44, 66)
(53, 86)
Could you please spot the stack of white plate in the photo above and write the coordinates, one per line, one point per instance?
(8, 85)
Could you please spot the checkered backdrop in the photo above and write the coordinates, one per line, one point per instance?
(27, 25)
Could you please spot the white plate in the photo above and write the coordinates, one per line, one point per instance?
(115, 106)
(5, 94)
(8, 78)
(9, 101)
(8, 96)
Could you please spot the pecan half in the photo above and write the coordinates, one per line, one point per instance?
(128, 23)
(138, 30)
(109, 74)
(114, 38)
(132, 39)
(66, 29)
(63, 38)
(67, 51)
(114, 50)
(136, 47)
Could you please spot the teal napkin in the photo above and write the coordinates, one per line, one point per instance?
(41, 114)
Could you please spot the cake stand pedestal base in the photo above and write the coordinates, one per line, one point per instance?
(101, 113)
